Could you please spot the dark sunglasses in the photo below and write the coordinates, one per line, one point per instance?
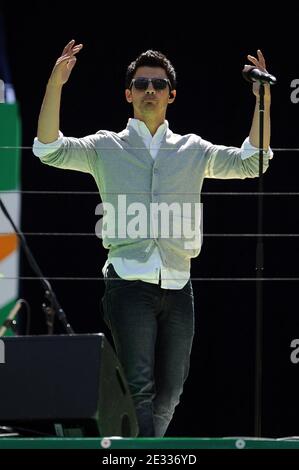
(142, 83)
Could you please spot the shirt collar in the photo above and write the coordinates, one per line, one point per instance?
(143, 131)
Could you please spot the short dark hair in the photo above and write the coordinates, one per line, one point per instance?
(151, 58)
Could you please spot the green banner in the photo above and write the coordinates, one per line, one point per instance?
(10, 157)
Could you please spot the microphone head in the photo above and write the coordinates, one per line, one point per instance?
(253, 74)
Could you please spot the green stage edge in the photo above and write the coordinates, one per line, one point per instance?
(147, 443)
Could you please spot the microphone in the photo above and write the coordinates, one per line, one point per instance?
(252, 74)
(6, 324)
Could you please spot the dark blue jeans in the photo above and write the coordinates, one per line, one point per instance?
(152, 329)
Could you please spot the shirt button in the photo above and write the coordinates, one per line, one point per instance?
(156, 170)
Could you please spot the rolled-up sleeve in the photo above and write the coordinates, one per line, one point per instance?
(247, 150)
(41, 150)
(234, 162)
(69, 153)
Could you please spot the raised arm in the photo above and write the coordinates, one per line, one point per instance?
(48, 121)
(260, 63)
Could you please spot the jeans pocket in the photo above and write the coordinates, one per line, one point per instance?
(115, 282)
(188, 289)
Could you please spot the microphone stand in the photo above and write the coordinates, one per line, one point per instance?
(259, 274)
(52, 307)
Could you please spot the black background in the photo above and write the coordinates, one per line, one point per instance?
(208, 47)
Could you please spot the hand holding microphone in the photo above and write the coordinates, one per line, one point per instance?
(253, 74)
(257, 73)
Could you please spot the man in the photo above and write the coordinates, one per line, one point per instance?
(148, 302)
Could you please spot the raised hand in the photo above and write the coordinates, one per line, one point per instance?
(65, 64)
(260, 64)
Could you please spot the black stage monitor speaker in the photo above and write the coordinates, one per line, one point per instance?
(72, 384)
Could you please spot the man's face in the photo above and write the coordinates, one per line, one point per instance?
(151, 100)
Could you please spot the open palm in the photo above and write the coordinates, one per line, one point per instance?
(65, 64)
